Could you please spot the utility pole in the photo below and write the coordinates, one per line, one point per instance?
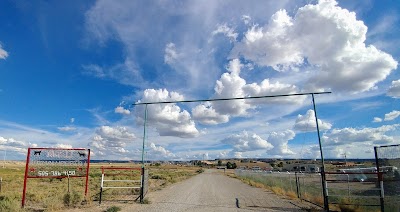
(324, 190)
(4, 159)
(345, 158)
(144, 139)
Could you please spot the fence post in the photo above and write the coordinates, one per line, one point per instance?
(142, 187)
(68, 184)
(101, 185)
(297, 186)
(348, 185)
(380, 179)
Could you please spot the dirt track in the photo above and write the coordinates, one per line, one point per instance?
(213, 191)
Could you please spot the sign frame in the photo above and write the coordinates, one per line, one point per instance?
(57, 174)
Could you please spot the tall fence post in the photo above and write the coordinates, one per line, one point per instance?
(380, 180)
(142, 187)
(101, 185)
(324, 188)
(297, 185)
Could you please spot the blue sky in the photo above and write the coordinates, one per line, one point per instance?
(71, 71)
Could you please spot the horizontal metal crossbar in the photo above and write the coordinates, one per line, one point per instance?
(355, 196)
(44, 148)
(122, 168)
(358, 189)
(57, 177)
(121, 181)
(226, 99)
(339, 203)
(122, 187)
(344, 173)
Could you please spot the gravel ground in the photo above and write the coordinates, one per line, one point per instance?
(213, 191)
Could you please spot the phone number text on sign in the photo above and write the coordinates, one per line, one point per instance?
(56, 173)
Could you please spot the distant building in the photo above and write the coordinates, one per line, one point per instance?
(301, 167)
(207, 162)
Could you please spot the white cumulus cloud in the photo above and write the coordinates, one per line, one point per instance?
(280, 142)
(122, 110)
(271, 45)
(232, 85)
(332, 40)
(306, 123)
(157, 152)
(368, 135)
(168, 119)
(3, 53)
(64, 146)
(392, 115)
(111, 140)
(377, 120)
(268, 88)
(245, 141)
(205, 114)
(394, 90)
(11, 144)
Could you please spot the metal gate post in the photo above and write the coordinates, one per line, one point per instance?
(297, 186)
(380, 179)
(101, 185)
(25, 178)
(142, 187)
(323, 177)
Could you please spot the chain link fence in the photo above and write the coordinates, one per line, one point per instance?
(388, 163)
(354, 188)
(306, 186)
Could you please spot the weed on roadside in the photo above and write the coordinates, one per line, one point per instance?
(113, 209)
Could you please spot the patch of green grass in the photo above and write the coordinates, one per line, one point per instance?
(146, 201)
(8, 204)
(200, 171)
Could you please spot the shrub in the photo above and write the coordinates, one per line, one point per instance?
(146, 201)
(73, 199)
(113, 209)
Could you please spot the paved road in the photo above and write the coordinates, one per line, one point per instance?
(213, 191)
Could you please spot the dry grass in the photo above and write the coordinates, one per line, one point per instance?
(291, 194)
(51, 194)
(278, 190)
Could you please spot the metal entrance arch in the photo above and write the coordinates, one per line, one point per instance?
(326, 205)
